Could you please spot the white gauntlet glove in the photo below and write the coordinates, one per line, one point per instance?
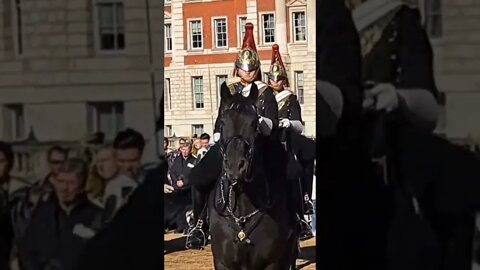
(265, 125)
(167, 188)
(216, 137)
(385, 95)
(285, 123)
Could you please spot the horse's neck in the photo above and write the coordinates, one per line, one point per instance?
(251, 196)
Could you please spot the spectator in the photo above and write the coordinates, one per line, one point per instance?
(204, 141)
(181, 167)
(11, 190)
(104, 170)
(62, 222)
(197, 145)
(56, 156)
(180, 202)
(175, 153)
(128, 145)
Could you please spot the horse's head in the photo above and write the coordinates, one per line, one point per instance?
(239, 123)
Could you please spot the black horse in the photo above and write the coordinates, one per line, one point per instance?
(250, 212)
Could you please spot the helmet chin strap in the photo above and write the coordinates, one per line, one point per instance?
(245, 82)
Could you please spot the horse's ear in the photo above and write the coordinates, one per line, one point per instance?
(253, 92)
(224, 91)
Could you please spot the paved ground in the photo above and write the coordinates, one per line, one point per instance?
(178, 258)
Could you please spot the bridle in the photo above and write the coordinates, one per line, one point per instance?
(246, 143)
(238, 223)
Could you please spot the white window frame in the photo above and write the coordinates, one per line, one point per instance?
(202, 126)
(17, 27)
(292, 25)
(427, 13)
(301, 99)
(218, 85)
(168, 92)
(240, 29)
(167, 51)
(214, 32)
(93, 106)
(168, 131)
(189, 36)
(193, 92)
(262, 29)
(96, 18)
(13, 111)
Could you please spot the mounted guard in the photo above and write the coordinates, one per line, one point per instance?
(205, 173)
(291, 128)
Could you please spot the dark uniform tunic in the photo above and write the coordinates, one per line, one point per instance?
(403, 56)
(55, 238)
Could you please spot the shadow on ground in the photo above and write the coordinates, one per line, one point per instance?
(174, 245)
(307, 254)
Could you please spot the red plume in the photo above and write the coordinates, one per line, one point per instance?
(248, 40)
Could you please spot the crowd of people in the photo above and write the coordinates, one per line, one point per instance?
(180, 162)
(46, 224)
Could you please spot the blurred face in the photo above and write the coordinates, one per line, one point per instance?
(247, 76)
(276, 86)
(128, 160)
(185, 151)
(3, 166)
(55, 161)
(68, 187)
(106, 163)
(165, 145)
(197, 144)
(181, 142)
(204, 143)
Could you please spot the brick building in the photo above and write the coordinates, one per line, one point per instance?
(202, 40)
(69, 68)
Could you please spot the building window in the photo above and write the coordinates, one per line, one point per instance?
(268, 28)
(106, 117)
(299, 82)
(19, 26)
(168, 2)
(168, 37)
(220, 28)
(220, 80)
(14, 122)
(197, 129)
(242, 21)
(196, 41)
(168, 93)
(168, 131)
(111, 26)
(299, 26)
(197, 85)
(433, 18)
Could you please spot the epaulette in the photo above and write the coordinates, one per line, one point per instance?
(232, 88)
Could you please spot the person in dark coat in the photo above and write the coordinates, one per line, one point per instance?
(61, 223)
(181, 201)
(182, 166)
(134, 238)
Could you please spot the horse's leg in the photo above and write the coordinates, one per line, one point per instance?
(219, 265)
